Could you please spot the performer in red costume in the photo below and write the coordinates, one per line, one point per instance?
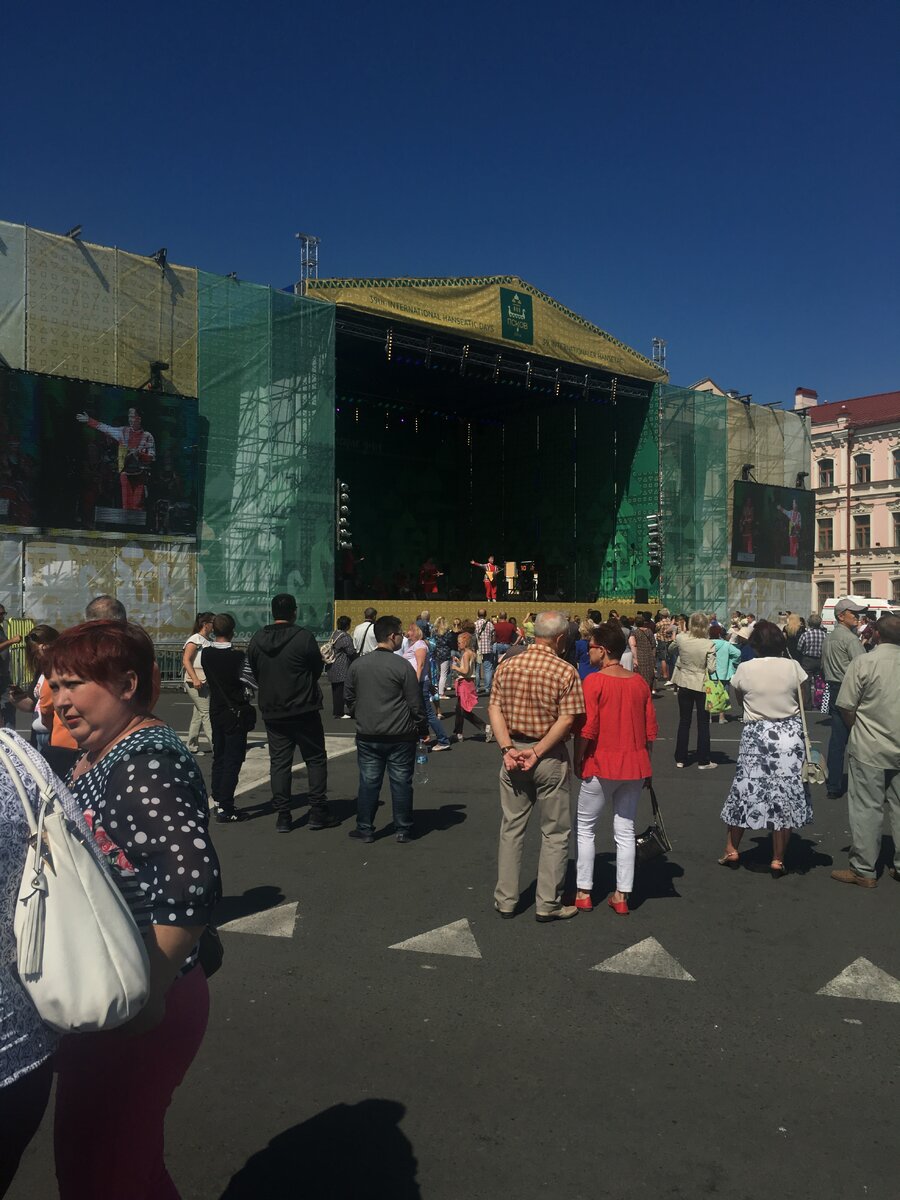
(491, 571)
(428, 577)
(137, 450)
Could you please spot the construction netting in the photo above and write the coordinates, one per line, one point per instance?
(693, 443)
(266, 390)
(94, 312)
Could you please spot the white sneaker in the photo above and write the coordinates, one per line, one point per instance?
(707, 766)
(488, 734)
(346, 717)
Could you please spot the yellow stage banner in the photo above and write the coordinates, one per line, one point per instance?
(498, 308)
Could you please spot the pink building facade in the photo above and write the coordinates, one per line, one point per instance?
(855, 471)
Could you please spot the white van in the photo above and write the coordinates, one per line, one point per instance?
(876, 605)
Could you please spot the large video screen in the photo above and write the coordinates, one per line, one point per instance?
(772, 527)
(87, 456)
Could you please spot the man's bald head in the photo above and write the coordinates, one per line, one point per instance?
(888, 630)
(105, 608)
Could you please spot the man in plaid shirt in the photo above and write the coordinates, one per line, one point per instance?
(535, 701)
(486, 637)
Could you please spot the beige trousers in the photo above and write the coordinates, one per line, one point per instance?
(547, 784)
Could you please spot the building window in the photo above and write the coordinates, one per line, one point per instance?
(895, 591)
(862, 587)
(826, 533)
(896, 517)
(825, 591)
(862, 532)
(896, 458)
(863, 467)
(826, 472)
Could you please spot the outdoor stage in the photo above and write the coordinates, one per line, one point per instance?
(408, 610)
(453, 447)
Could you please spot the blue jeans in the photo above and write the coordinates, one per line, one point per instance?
(434, 724)
(485, 672)
(373, 757)
(837, 743)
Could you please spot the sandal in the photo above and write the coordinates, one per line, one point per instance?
(777, 868)
(732, 860)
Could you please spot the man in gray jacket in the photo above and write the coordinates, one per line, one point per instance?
(384, 696)
(842, 645)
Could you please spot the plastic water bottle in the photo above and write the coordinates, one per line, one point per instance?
(420, 774)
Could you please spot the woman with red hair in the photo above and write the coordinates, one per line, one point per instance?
(144, 799)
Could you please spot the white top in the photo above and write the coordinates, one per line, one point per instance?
(768, 688)
(364, 637)
(197, 639)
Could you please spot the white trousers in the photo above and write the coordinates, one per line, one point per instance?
(592, 799)
(443, 672)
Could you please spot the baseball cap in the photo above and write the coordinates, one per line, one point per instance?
(845, 604)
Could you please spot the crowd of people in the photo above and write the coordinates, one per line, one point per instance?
(135, 789)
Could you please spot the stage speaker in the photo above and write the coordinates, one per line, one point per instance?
(641, 595)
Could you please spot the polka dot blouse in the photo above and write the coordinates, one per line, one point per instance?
(145, 803)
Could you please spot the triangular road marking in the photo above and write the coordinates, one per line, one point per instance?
(271, 922)
(646, 958)
(455, 939)
(862, 980)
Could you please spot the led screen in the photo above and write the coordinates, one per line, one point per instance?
(772, 527)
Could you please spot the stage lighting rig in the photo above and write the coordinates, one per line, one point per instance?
(747, 472)
(232, 275)
(161, 257)
(155, 383)
(801, 475)
(654, 540)
(342, 523)
(74, 233)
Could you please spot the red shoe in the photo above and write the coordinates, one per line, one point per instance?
(585, 903)
(618, 906)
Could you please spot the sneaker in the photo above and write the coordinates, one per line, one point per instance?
(346, 717)
(325, 821)
(227, 816)
(362, 835)
(558, 914)
(680, 765)
(440, 746)
(283, 823)
(850, 876)
(894, 873)
(488, 734)
(706, 766)
(405, 835)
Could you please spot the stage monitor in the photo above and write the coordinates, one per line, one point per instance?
(772, 527)
(84, 456)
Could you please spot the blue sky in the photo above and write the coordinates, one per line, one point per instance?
(726, 177)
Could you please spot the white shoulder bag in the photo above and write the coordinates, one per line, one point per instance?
(81, 957)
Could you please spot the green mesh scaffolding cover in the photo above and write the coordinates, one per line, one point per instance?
(266, 389)
(629, 479)
(693, 455)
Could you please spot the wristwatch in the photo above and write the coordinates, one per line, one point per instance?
(506, 749)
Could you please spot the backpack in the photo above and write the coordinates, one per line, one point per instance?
(80, 955)
(327, 650)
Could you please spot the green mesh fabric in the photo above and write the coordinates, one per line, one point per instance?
(693, 445)
(266, 386)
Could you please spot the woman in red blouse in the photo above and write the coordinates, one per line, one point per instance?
(612, 758)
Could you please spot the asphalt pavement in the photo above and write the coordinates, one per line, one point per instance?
(493, 1058)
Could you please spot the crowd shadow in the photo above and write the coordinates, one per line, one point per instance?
(654, 880)
(801, 855)
(347, 1152)
(254, 900)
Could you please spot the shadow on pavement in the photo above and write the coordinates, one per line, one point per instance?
(254, 900)
(801, 855)
(348, 1152)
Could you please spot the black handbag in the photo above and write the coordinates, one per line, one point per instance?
(654, 841)
(210, 951)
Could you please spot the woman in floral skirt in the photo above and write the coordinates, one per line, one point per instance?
(768, 791)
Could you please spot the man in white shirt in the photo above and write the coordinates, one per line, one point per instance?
(364, 634)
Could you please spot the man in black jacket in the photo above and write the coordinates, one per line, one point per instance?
(228, 674)
(286, 663)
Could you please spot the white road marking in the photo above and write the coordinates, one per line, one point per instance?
(646, 958)
(455, 939)
(862, 980)
(272, 922)
(334, 747)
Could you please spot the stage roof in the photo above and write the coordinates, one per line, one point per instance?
(496, 308)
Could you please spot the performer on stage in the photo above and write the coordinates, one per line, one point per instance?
(491, 571)
(428, 578)
(137, 450)
(795, 523)
(747, 519)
